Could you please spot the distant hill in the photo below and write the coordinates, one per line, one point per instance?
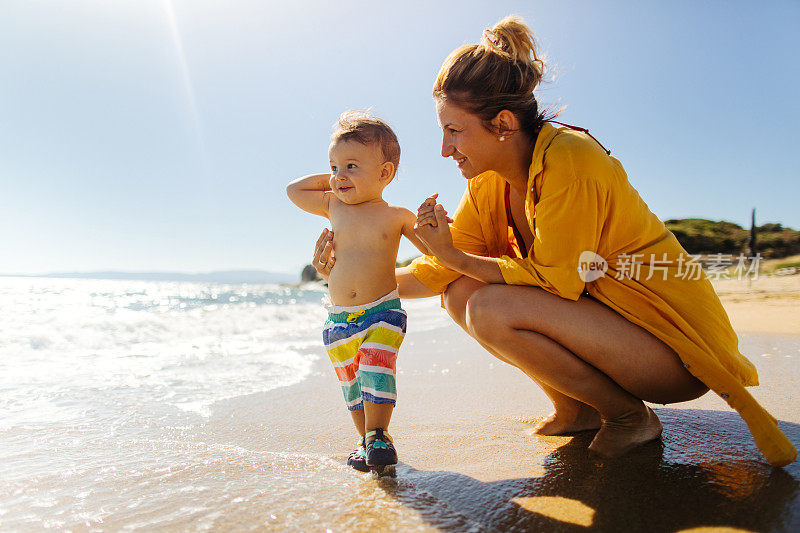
(225, 276)
(701, 236)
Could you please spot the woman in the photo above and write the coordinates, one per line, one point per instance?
(556, 266)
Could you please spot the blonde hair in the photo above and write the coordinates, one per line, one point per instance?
(500, 72)
(363, 126)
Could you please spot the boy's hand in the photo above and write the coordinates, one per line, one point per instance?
(425, 213)
(323, 254)
(436, 237)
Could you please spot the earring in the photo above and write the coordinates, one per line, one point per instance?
(502, 138)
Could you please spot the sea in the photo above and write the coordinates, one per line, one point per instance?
(106, 392)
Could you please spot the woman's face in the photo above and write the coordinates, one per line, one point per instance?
(465, 139)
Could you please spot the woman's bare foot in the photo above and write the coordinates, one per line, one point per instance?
(618, 436)
(561, 423)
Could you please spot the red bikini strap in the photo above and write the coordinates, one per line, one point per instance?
(584, 130)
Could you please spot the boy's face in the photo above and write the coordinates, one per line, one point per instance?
(358, 172)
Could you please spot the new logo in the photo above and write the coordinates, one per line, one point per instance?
(591, 266)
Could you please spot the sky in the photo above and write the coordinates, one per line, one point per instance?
(157, 135)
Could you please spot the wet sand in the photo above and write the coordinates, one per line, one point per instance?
(469, 462)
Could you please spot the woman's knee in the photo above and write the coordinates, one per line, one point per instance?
(457, 295)
(483, 314)
(455, 303)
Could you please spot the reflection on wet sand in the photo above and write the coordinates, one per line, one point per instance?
(706, 473)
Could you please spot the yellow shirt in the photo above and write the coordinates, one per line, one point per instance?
(578, 200)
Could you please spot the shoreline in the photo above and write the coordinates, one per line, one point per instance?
(468, 460)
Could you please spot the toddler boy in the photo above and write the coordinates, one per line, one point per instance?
(366, 323)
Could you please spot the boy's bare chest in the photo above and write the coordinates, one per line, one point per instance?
(355, 228)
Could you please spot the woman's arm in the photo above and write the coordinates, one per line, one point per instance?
(410, 287)
(485, 269)
(434, 232)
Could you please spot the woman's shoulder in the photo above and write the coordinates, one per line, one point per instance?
(577, 147)
(572, 155)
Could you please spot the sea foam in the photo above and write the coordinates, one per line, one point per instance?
(68, 344)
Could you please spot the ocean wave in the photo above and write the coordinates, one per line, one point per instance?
(186, 344)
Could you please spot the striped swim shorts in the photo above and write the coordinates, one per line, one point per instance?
(362, 343)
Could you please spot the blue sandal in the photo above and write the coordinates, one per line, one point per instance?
(380, 449)
(358, 459)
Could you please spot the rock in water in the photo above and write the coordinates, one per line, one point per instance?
(309, 274)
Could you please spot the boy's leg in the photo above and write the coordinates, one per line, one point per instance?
(378, 389)
(358, 458)
(376, 415)
(376, 376)
(359, 420)
(377, 359)
(345, 362)
(380, 449)
(378, 392)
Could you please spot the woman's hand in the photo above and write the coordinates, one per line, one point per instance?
(425, 213)
(323, 254)
(432, 228)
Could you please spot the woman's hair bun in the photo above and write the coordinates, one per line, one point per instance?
(512, 39)
(501, 72)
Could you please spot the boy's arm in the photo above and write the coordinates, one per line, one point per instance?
(409, 219)
(311, 193)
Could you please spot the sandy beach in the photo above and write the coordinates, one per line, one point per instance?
(765, 305)
(167, 420)
(470, 463)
